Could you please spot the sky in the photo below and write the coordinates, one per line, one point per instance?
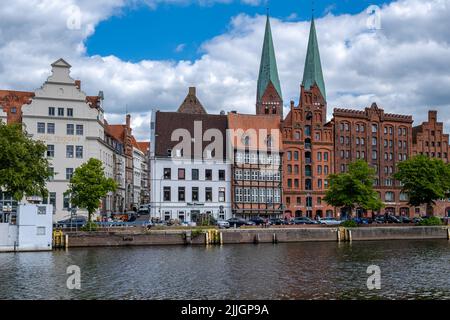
(144, 54)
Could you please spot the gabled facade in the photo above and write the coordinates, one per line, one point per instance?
(257, 150)
(308, 143)
(190, 182)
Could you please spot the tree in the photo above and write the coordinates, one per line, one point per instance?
(89, 185)
(425, 180)
(24, 169)
(354, 188)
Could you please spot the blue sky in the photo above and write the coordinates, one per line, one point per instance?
(176, 31)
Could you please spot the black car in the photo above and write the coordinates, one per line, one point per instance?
(277, 222)
(393, 219)
(404, 219)
(258, 221)
(380, 219)
(75, 222)
(239, 222)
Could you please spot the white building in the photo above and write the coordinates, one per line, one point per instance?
(32, 230)
(71, 124)
(188, 185)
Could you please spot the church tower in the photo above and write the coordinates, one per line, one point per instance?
(269, 99)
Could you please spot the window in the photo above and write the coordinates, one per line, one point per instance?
(50, 150)
(307, 130)
(296, 170)
(297, 135)
(61, 112)
(325, 169)
(238, 174)
(374, 155)
(319, 170)
(194, 193)
(357, 141)
(195, 174)
(309, 201)
(166, 194)
(52, 199)
(79, 152)
(222, 175)
(299, 200)
(221, 194)
(70, 112)
(374, 128)
(70, 129)
(13, 110)
(296, 184)
(319, 183)
(374, 141)
(80, 129)
(40, 231)
(66, 202)
(289, 183)
(325, 156)
(319, 200)
(208, 194)
(289, 169)
(404, 196)
(167, 174)
(181, 194)
(319, 156)
(389, 196)
(296, 156)
(362, 141)
(238, 194)
(69, 151)
(51, 111)
(181, 174)
(41, 127)
(69, 173)
(289, 155)
(50, 128)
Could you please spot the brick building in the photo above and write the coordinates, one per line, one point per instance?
(380, 138)
(257, 148)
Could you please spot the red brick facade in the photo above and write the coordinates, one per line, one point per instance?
(308, 156)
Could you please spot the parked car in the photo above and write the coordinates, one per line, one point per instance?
(380, 219)
(258, 221)
(393, 219)
(239, 222)
(304, 220)
(362, 220)
(329, 221)
(222, 224)
(277, 221)
(74, 222)
(404, 219)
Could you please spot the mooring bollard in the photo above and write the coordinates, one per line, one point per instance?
(221, 238)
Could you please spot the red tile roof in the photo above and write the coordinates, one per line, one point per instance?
(14, 99)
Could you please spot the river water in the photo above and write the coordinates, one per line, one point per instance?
(409, 270)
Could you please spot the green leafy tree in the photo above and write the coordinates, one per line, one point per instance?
(24, 169)
(89, 185)
(354, 188)
(425, 180)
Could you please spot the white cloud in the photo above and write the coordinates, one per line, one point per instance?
(180, 47)
(403, 67)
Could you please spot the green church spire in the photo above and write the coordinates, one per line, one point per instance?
(268, 71)
(313, 67)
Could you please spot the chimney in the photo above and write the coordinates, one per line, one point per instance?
(78, 84)
(292, 104)
(128, 121)
(192, 91)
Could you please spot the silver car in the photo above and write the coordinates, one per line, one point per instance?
(222, 224)
(329, 221)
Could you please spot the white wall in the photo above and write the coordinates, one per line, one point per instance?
(33, 231)
(159, 207)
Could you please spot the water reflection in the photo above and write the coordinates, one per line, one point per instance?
(410, 269)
